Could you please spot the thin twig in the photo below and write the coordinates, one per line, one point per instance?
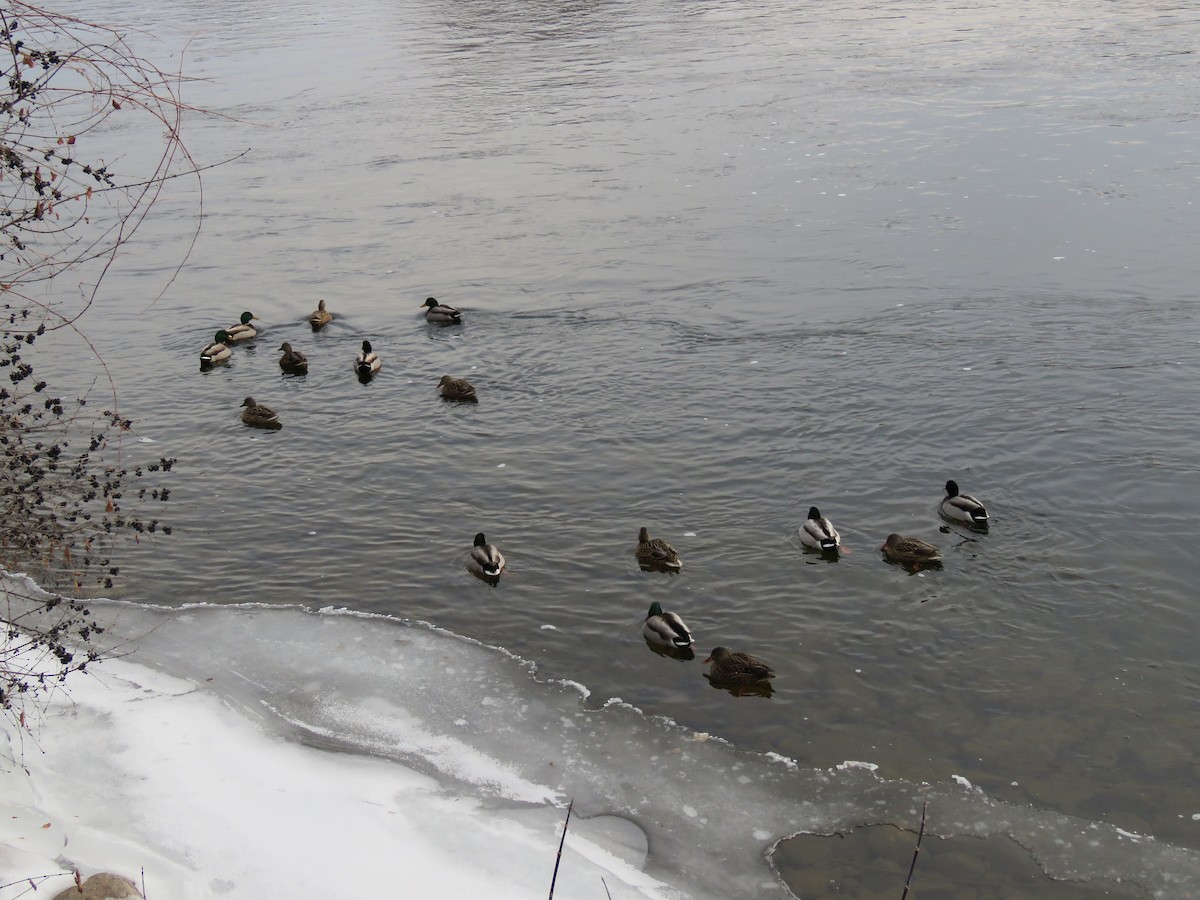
(561, 841)
(916, 852)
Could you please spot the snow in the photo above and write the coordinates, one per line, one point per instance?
(139, 771)
(261, 752)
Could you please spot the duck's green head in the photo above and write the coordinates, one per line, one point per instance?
(221, 336)
(430, 302)
(246, 317)
(655, 610)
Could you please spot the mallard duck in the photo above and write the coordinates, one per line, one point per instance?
(818, 532)
(457, 389)
(366, 362)
(656, 554)
(440, 313)
(910, 551)
(259, 416)
(243, 331)
(729, 667)
(320, 318)
(216, 352)
(665, 628)
(962, 507)
(485, 559)
(293, 362)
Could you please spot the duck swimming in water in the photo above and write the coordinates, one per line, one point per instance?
(243, 330)
(320, 317)
(818, 533)
(441, 313)
(962, 507)
(665, 628)
(258, 416)
(730, 667)
(366, 363)
(293, 362)
(458, 389)
(653, 553)
(910, 551)
(216, 352)
(485, 560)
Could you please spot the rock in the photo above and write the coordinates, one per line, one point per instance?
(101, 886)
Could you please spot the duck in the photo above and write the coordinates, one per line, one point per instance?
(652, 554)
(818, 533)
(457, 389)
(366, 362)
(216, 352)
(910, 551)
(485, 559)
(962, 507)
(293, 362)
(259, 416)
(320, 317)
(243, 330)
(665, 628)
(441, 313)
(732, 667)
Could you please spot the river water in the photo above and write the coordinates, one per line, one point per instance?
(718, 263)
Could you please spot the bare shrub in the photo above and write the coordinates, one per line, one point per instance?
(68, 87)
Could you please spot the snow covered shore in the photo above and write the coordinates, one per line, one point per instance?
(149, 775)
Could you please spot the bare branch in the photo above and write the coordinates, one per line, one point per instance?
(916, 852)
(561, 841)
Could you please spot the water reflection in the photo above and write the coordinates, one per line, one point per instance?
(681, 653)
(762, 689)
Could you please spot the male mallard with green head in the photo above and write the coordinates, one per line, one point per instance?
(216, 352)
(243, 330)
(258, 416)
(665, 629)
(962, 507)
(485, 559)
(366, 362)
(655, 553)
(818, 533)
(457, 389)
(441, 313)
